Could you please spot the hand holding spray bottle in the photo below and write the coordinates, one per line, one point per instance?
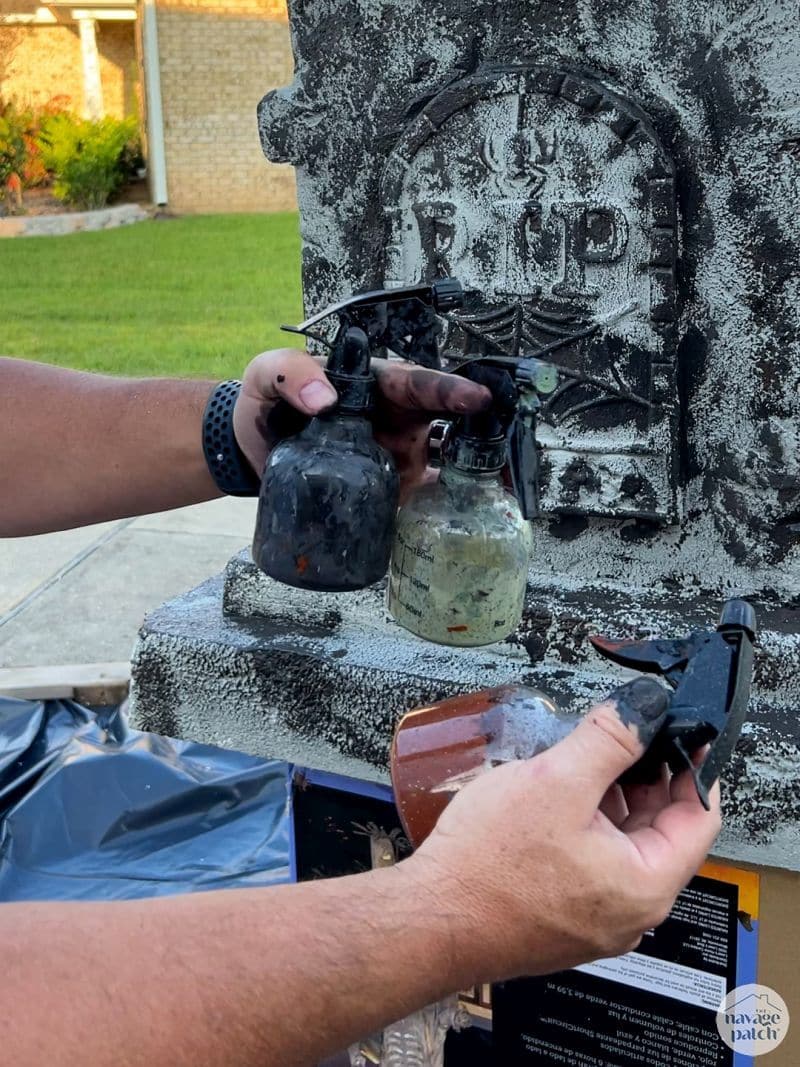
(329, 494)
(460, 549)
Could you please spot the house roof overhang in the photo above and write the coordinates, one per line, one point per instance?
(67, 11)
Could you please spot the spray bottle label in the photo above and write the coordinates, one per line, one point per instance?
(457, 588)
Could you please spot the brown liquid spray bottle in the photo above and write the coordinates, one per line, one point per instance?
(439, 749)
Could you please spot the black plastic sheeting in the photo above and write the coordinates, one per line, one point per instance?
(92, 810)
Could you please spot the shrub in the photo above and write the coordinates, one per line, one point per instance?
(13, 146)
(20, 151)
(17, 153)
(87, 159)
(34, 172)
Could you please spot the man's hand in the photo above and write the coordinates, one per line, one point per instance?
(97, 448)
(551, 864)
(408, 397)
(534, 867)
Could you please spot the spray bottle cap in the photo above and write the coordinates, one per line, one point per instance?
(478, 442)
(505, 434)
(477, 455)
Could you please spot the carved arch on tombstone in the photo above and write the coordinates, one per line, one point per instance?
(552, 198)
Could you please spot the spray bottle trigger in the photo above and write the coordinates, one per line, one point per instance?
(523, 463)
(695, 771)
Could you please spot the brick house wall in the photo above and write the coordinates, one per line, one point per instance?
(217, 61)
(38, 63)
(217, 58)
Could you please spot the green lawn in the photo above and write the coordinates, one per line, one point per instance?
(196, 296)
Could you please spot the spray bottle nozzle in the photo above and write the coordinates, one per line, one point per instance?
(516, 384)
(446, 294)
(349, 371)
(402, 320)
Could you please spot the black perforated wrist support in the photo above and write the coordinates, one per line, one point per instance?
(226, 461)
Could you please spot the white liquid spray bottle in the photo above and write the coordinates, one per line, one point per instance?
(462, 546)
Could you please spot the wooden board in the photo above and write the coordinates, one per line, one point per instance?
(93, 684)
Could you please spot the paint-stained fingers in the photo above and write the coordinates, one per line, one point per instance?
(280, 391)
(612, 737)
(299, 378)
(417, 389)
(291, 375)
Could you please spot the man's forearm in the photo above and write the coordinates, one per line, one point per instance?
(244, 978)
(80, 448)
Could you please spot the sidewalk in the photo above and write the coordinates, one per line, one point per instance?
(80, 596)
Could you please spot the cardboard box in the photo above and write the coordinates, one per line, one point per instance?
(341, 826)
(779, 952)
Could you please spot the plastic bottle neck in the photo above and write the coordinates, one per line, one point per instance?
(338, 425)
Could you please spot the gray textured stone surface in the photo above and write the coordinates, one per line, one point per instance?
(627, 171)
(465, 148)
(322, 678)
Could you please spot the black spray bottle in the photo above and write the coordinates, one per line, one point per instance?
(329, 495)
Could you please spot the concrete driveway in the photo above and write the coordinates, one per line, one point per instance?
(79, 597)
